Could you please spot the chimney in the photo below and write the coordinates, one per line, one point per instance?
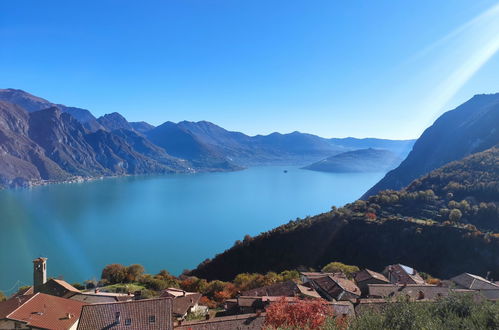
(39, 273)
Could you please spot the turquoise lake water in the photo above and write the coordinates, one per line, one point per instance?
(168, 222)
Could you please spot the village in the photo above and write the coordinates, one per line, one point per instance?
(56, 304)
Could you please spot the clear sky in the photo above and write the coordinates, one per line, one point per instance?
(359, 68)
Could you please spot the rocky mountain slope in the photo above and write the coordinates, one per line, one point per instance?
(471, 127)
(51, 145)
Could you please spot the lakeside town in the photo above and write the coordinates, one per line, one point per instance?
(52, 303)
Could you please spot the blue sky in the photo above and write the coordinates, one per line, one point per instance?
(333, 68)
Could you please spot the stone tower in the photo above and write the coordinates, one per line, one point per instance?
(39, 272)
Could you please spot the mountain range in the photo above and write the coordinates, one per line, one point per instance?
(62, 143)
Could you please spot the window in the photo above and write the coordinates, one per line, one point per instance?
(128, 321)
(152, 319)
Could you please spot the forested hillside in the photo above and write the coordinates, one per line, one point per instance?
(443, 224)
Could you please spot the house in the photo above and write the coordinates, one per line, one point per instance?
(131, 315)
(285, 289)
(233, 322)
(401, 274)
(184, 302)
(366, 276)
(336, 287)
(57, 288)
(39, 311)
(474, 282)
(254, 304)
(306, 277)
(97, 297)
(53, 287)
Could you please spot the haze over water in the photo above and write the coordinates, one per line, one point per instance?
(168, 222)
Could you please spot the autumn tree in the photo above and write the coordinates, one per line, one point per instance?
(134, 272)
(297, 314)
(114, 273)
(2, 296)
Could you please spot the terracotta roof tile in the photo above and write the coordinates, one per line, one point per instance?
(140, 314)
(47, 312)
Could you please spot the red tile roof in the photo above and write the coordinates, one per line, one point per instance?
(45, 311)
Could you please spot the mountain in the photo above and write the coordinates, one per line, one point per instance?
(33, 103)
(470, 128)
(21, 159)
(141, 126)
(448, 228)
(114, 121)
(51, 145)
(182, 143)
(362, 160)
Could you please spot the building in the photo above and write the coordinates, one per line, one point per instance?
(336, 288)
(306, 277)
(412, 291)
(365, 277)
(39, 272)
(184, 302)
(233, 322)
(59, 288)
(98, 297)
(473, 282)
(284, 289)
(401, 274)
(153, 314)
(39, 311)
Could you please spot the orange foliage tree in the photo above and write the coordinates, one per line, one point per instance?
(297, 314)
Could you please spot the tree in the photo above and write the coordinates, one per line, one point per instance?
(3, 297)
(114, 273)
(455, 215)
(336, 267)
(299, 314)
(134, 272)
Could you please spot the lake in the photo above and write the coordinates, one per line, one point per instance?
(168, 222)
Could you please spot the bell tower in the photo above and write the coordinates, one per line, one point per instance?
(39, 273)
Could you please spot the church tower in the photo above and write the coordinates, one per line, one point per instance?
(39, 272)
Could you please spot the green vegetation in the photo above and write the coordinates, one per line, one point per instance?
(453, 312)
(444, 223)
(336, 267)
